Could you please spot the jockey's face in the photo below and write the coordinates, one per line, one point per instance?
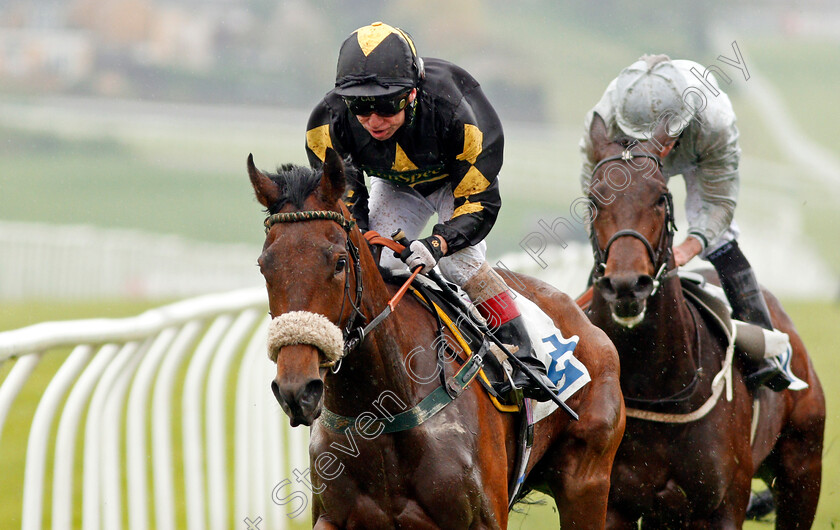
(384, 127)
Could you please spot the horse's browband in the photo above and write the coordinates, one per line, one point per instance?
(310, 215)
(627, 155)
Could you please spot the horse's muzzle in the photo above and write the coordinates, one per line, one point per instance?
(627, 296)
(302, 403)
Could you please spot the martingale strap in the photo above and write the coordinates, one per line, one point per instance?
(428, 406)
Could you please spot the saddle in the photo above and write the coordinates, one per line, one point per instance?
(753, 340)
(494, 377)
(551, 347)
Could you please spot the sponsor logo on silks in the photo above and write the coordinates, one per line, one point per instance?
(566, 371)
(409, 178)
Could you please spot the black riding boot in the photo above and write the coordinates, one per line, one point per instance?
(748, 305)
(513, 332)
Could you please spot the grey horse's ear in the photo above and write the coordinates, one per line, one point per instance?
(267, 191)
(333, 182)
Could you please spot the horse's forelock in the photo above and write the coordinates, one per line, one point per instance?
(296, 183)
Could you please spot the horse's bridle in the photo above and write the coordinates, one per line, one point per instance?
(660, 256)
(352, 251)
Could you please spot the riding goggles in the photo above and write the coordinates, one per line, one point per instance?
(381, 105)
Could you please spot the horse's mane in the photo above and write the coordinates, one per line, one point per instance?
(297, 182)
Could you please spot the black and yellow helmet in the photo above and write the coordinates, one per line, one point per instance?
(377, 60)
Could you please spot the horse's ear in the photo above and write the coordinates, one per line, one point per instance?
(598, 135)
(267, 191)
(661, 140)
(333, 182)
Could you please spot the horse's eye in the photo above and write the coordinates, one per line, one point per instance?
(340, 265)
(661, 201)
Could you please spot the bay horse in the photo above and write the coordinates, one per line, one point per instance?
(687, 460)
(454, 469)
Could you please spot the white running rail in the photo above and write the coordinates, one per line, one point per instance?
(121, 376)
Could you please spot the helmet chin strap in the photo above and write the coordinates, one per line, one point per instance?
(411, 109)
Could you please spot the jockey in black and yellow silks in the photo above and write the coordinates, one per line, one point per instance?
(451, 136)
(430, 142)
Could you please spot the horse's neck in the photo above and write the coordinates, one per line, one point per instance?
(375, 372)
(672, 317)
(662, 348)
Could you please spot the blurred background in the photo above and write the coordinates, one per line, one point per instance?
(120, 119)
(125, 126)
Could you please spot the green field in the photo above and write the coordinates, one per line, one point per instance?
(814, 320)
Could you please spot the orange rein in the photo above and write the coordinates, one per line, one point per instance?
(585, 299)
(373, 238)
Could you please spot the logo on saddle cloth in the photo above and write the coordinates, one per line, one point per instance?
(555, 351)
(565, 370)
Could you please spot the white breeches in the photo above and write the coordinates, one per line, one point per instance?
(394, 207)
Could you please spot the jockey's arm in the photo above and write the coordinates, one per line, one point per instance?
(685, 251)
(716, 177)
(476, 144)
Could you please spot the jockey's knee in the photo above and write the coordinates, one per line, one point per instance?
(459, 267)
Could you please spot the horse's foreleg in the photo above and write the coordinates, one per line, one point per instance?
(582, 500)
(581, 481)
(732, 511)
(798, 477)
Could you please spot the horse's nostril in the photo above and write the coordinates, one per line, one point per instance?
(275, 389)
(606, 286)
(644, 286)
(310, 394)
(629, 286)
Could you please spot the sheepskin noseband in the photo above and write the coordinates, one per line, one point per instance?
(303, 327)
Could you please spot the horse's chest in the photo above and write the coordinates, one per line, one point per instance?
(671, 471)
(407, 481)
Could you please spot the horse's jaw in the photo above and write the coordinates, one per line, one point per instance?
(629, 322)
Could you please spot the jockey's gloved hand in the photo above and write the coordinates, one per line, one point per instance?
(422, 252)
